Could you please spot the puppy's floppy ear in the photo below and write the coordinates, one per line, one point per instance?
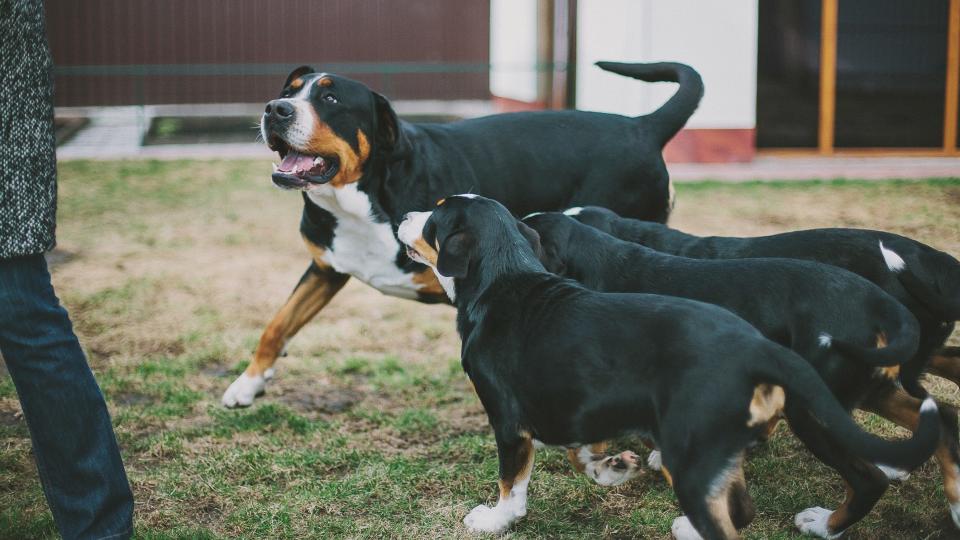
(532, 237)
(299, 72)
(552, 261)
(389, 135)
(455, 254)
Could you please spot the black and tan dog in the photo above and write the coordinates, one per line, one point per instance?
(361, 169)
(556, 362)
(811, 308)
(924, 279)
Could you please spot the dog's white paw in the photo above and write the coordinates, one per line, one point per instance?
(655, 460)
(894, 474)
(682, 529)
(813, 521)
(614, 470)
(245, 389)
(486, 519)
(955, 513)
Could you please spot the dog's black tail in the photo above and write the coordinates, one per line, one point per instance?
(804, 385)
(897, 339)
(666, 121)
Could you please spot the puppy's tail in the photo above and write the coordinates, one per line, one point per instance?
(940, 294)
(805, 388)
(666, 121)
(897, 338)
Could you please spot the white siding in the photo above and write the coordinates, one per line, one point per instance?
(718, 38)
(513, 49)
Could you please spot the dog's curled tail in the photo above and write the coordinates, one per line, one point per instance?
(666, 121)
(941, 292)
(806, 389)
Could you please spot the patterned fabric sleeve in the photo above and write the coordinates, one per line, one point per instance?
(28, 176)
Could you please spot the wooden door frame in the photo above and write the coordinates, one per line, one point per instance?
(826, 127)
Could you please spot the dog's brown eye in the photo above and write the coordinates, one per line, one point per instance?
(331, 98)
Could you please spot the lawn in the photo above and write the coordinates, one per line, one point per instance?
(171, 269)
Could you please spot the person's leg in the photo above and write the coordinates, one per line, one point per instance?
(73, 441)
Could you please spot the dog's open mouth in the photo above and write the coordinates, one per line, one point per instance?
(299, 171)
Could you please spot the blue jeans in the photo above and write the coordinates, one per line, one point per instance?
(73, 441)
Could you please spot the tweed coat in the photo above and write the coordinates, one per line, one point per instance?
(28, 176)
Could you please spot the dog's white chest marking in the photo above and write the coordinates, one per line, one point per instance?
(363, 248)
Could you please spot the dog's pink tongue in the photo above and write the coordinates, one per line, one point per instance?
(295, 161)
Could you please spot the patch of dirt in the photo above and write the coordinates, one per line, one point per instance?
(317, 400)
(133, 399)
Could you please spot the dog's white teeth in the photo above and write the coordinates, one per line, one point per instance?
(275, 167)
(318, 160)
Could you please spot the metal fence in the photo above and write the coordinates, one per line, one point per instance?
(135, 52)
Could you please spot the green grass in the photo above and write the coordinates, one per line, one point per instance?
(369, 429)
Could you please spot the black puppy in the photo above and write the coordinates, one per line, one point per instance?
(555, 362)
(827, 315)
(924, 279)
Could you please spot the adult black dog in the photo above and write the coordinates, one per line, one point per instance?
(361, 169)
(827, 315)
(556, 362)
(924, 279)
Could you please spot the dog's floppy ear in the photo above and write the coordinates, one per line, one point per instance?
(551, 261)
(297, 73)
(455, 253)
(389, 136)
(532, 237)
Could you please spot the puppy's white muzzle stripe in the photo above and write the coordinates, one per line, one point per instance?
(411, 228)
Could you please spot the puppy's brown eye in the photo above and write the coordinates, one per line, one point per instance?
(331, 98)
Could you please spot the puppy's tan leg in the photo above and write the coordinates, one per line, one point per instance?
(516, 466)
(716, 516)
(946, 363)
(904, 410)
(317, 286)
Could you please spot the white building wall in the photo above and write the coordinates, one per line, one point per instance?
(513, 49)
(717, 38)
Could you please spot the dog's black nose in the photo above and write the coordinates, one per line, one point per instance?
(279, 108)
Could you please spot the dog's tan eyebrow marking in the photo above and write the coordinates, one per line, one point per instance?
(325, 81)
(297, 83)
(441, 201)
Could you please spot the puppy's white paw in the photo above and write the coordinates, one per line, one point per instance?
(955, 513)
(655, 460)
(244, 390)
(894, 474)
(813, 521)
(486, 519)
(682, 529)
(614, 470)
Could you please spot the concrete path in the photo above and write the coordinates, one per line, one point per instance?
(819, 168)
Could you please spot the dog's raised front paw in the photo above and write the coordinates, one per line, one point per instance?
(814, 521)
(245, 389)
